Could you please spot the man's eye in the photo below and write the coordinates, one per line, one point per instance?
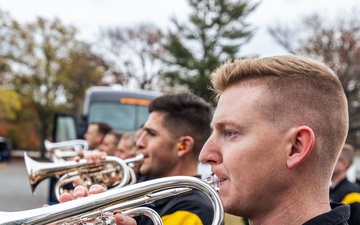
(229, 133)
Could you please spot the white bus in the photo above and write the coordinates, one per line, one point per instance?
(123, 109)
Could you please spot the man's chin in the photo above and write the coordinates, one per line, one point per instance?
(144, 171)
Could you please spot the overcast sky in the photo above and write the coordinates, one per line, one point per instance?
(89, 15)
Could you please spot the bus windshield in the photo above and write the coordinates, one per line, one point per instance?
(122, 117)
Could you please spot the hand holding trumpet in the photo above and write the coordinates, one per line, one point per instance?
(95, 156)
(81, 192)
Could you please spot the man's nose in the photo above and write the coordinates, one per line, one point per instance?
(209, 153)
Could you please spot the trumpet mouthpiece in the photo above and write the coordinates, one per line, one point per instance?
(213, 181)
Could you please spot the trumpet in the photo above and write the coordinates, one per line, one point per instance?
(130, 162)
(65, 150)
(72, 144)
(129, 197)
(112, 172)
(99, 178)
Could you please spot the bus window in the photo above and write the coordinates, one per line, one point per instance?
(65, 128)
(123, 117)
(143, 115)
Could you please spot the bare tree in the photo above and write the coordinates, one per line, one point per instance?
(133, 53)
(337, 44)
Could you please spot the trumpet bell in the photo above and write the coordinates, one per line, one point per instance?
(39, 171)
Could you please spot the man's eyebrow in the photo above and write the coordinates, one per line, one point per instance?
(217, 125)
(147, 129)
(222, 124)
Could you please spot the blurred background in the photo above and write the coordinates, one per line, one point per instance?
(52, 52)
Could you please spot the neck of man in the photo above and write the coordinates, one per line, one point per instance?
(294, 207)
(181, 169)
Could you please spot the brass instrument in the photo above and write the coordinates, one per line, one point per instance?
(72, 144)
(65, 150)
(130, 162)
(128, 197)
(137, 158)
(112, 172)
(89, 178)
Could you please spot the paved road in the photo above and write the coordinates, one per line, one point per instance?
(15, 191)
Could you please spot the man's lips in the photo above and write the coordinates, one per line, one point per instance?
(222, 181)
(220, 176)
(145, 155)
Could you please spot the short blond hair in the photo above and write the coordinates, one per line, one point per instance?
(301, 90)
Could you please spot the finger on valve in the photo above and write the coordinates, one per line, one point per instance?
(121, 219)
(80, 191)
(65, 197)
(96, 189)
(95, 156)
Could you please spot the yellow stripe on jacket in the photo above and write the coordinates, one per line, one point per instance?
(181, 218)
(351, 198)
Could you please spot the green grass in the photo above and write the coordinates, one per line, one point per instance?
(233, 220)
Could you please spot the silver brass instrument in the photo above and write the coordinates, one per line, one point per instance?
(123, 198)
(112, 172)
(137, 158)
(72, 144)
(65, 150)
(130, 162)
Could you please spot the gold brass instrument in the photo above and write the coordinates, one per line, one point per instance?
(65, 150)
(128, 197)
(112, 172)
(89, 177)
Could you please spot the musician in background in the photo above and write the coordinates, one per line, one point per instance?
(171, 140)
(95, 134)
(124, 148)
(342, 190)
(110, 142)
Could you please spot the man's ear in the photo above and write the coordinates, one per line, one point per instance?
(185, 145)
(302, 143)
